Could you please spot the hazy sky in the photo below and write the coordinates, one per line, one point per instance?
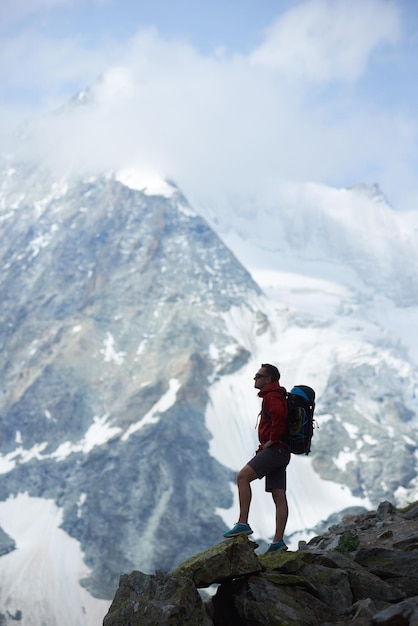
(231, 95)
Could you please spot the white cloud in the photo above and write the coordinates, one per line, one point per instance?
(237, 124)
(325, 40)
(44, 71)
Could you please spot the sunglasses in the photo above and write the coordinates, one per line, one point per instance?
(260, 376)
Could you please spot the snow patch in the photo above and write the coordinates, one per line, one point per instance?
(49, 563)
(153, 416)
(351, 429)
(344, 458)
(98, 433)
(81, 501)
(8, 461)
(316, 296)
(109, 352)
(186, 209)
(148, 182)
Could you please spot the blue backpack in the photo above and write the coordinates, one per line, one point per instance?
(301, 406)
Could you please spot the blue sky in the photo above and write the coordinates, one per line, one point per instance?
(106, 26)
(238, 94)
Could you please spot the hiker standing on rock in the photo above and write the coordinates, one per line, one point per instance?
(271, 459)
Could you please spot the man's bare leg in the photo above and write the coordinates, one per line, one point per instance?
(282, 511)
(244, 478)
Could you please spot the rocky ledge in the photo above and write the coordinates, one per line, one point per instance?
(363, 572)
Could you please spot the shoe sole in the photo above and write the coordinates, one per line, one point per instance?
(282, 549)
(243, 532)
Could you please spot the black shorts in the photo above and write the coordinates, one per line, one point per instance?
(271, 463)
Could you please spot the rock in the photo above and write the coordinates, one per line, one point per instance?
(412, 512)
(385, 534)
(385, 510)
(255, 600)
(153, 600)
(364, 609)
(368, 585)
(396, 567)
(228, 559)
(403, 614)
(7, 544)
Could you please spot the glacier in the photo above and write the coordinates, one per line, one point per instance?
(343, 281)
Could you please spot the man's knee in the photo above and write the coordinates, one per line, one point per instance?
(246, 475)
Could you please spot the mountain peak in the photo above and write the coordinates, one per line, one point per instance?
(373, 192)
(149, 182)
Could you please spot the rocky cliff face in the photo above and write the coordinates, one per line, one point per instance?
(363, 572)
(112, 300)
(7, 544)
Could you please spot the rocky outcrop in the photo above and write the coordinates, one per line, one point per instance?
(363, 572)
(7, 544)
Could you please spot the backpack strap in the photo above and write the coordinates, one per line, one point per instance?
(267, 417)
(263, 412)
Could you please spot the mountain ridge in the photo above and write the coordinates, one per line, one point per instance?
(129, 336)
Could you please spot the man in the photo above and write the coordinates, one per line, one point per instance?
(271, 459)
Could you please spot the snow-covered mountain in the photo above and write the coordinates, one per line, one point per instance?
(132, 325)
(338, 268)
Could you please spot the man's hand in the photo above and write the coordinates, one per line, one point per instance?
(268, 444)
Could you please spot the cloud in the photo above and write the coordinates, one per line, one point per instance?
(237, 124)
(42, 72)
(325, 40)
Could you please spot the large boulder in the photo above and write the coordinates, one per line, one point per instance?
(156, 600)
(403, 614)
(362, 573)
(229, 559)
(265, 599)
(173, 599)
(396, 567)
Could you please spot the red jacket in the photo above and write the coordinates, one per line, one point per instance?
(273, 422)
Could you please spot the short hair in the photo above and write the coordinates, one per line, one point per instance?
(272, 371)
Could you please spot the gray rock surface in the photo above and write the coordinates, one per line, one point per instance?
(368, 582)
(230, 559)
(7, 544)
(109, 296)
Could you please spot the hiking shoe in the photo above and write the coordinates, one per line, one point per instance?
(276, 545)
(239, 529)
